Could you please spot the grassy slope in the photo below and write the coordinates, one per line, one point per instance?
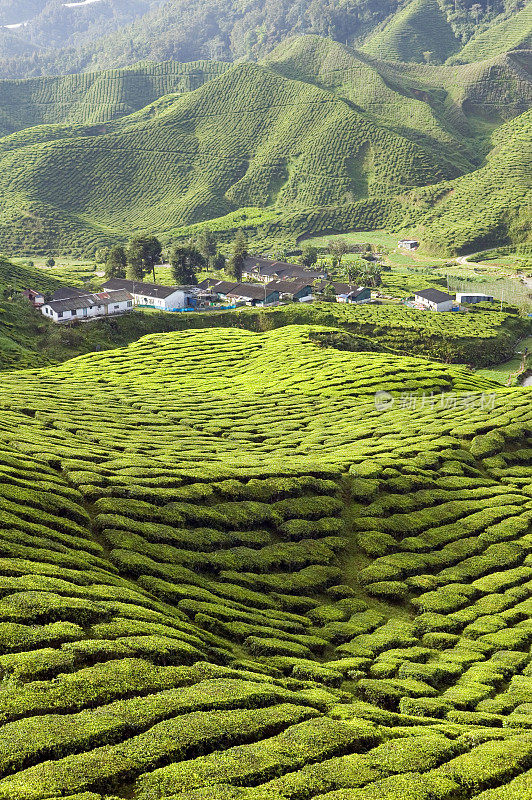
(96, 97)
(249, 137)
(221, 497)
(421, 26)
(510, 34)
(489, 205)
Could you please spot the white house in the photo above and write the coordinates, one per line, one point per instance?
(473, 297)
(408, 244)
(88, 306)
(434, 299)
(165, 298)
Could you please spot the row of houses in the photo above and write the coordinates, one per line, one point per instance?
(265, 270)
(268, 293)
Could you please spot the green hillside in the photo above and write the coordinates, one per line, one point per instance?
(228, 575)
(96, 97)
(513, 33)
(247, 138)
(318, 137)
(419, 32)
(447, 109)
(490, 205)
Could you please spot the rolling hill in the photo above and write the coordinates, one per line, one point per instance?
(250, 137)
(227, 574)
(491, 204)
(316, 137)
(511, 33)
(97, 97)
(418, 32)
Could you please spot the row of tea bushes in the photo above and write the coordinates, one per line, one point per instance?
(226, 572)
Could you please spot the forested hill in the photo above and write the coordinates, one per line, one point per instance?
(42, 37)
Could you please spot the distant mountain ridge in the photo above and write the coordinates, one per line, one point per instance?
(60, 37)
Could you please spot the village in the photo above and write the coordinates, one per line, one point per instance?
(265, 282)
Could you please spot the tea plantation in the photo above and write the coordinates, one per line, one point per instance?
(228, 574)
(317, 137)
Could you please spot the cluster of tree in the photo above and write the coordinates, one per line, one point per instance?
(143, 253)
(365, 273)
(200, 253)
(135, 261)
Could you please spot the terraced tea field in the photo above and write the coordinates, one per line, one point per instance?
(227, 574)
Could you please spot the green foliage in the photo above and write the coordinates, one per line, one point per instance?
(239, 166)
(217, 581)
(116, 262)
(184, 261)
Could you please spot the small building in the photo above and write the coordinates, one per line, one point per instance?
(89, 306)
(473, 297)
(434, 299)
(253, 294)
(360, 295)
(153, 295)
(292, 291)
(343, 291)
(218, 288)
(35, 298)
(408, 244)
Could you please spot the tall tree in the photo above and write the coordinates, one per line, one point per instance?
(338, 248)
(144, 252)
(235, 265)
(309, 255)
(240, 244)
(135, 264)
(116, 262)
(184, 260)
(207, 245)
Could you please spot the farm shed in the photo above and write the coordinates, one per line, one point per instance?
(360, 295)
(408, 244)
(289, 290)
(35, 298)
(434, 299)
(473, 297)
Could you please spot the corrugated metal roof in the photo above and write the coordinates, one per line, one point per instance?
(433, 295)
(90, 300)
